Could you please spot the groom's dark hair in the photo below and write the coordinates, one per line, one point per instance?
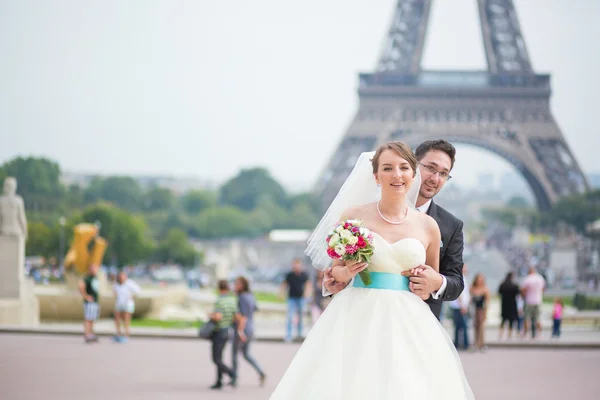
(440, 145)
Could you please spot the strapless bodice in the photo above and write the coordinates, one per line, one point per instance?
(396, 257)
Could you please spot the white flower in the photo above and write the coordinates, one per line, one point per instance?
(335, 238)
(354, 222)
(346, 235)
(364, 232)
(340, 249)
(339, 229)
(352, 240)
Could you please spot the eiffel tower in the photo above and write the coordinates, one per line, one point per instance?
(505, 109)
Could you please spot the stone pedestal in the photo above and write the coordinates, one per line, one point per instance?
(72, 280)
(18, 304)
(12, 261)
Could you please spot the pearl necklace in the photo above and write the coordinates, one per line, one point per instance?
(391, 222)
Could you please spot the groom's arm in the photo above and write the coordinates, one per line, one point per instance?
(451, 267)
(330, 286)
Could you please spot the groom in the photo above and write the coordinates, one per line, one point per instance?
(436, 160)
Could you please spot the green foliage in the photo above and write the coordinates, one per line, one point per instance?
(196, 201)
(506, 216)
(268, 297)
(577, 210)
(518, 202)
(74, 197)
(252, 203)
(158, 199)
(219, 222)
(38, 240)
(175, 247)
(259, 221)
(38, 181)
(308, 199)
(302, 217)
(157, 323)
(246, 188)
(584, 302)
(278, 216)
(567, 301)
(123, 191)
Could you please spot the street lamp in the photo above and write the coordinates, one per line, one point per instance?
(61, 244)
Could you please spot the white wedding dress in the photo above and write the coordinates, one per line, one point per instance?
(377, 343)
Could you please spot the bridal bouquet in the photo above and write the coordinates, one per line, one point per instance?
(351, 241)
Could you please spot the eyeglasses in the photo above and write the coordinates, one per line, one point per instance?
(430, 169)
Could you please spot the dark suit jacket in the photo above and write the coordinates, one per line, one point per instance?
(451, 259)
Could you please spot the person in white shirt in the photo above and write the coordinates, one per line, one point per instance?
(124, 290)
(532, 290)
(460, 315)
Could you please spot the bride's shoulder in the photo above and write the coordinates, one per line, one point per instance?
(431, 227)
(358, 212)
(429, 222)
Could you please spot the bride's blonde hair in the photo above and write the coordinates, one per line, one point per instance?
(399, 148)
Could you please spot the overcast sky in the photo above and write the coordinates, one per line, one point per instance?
(207, 87)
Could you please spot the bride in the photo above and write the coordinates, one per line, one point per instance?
(379, 341)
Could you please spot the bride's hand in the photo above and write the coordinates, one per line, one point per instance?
(345, 273)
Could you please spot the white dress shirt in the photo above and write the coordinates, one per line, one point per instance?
(436, 295)
(463, 300)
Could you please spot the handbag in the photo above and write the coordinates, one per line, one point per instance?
(207, 330)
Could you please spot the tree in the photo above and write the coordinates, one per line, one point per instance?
(125, 233)
(518, 202)
(245, 189)
(39, 239)
(158, 198)
(577, 210)
(161, 222)
(38, 181)
(309, 199)
(196, 201)
(506, 216)
(220, 222)
(175, 247)
(278, 216)
(302, 217)
(74, 198)
(259, 221)
(44, 236)
(123, 191)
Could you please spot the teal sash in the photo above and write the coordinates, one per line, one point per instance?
(383, 280)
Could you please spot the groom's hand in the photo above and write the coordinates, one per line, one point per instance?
(331, 285)
(424, 280)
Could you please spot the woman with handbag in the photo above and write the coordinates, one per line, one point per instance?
(244, 331)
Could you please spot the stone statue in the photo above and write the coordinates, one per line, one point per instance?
(12, 211)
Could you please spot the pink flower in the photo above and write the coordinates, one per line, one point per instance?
(327, 240)
(346, 225)
(361, 242)
(331, 253)
(355, 229)
(350, 249)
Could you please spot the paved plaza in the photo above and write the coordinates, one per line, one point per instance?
(63, 368)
